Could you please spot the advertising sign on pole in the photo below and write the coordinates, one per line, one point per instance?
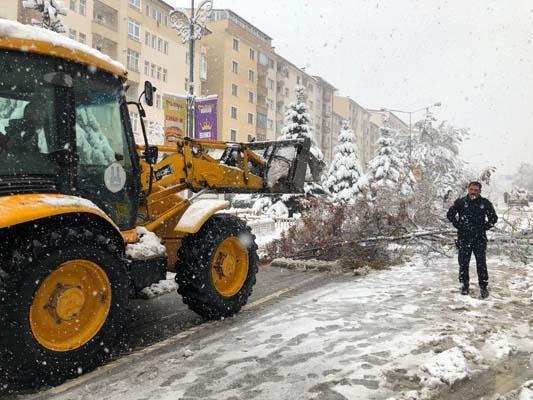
(206, 118)
(175, 112)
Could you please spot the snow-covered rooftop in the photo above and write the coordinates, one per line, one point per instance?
(44, 41)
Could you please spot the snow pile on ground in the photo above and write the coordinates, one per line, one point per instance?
(149, 246)
(448, 366)
(168, 285)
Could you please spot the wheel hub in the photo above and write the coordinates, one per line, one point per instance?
(230, 266)
(66, 302)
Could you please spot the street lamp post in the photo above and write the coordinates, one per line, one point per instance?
(437, 104)
(191, 28)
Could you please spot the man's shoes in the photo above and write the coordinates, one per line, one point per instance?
(464, 290)
(484, 293)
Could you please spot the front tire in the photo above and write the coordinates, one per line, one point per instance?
(64, 301)
(217, 267)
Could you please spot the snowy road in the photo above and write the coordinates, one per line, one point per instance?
(402, 333)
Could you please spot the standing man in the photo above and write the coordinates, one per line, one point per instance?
(473, 215)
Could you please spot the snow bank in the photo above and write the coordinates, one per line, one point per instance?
(17, 30)
(149, 246)
(448, 366)
(160, 288)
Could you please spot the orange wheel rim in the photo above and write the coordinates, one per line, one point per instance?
(230, 266)
(70, 306)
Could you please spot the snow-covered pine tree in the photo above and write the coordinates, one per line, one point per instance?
(298, 122)
(388, 169)
(50, 10)
(344, 174)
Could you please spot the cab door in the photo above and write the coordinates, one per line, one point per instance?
(107, 168)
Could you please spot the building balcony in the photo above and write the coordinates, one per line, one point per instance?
(105, 15)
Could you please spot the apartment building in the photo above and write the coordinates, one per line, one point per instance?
(319, 99)
(387, 118)
(359, 119)
(137, 33)
(240, 73)
(325, 98)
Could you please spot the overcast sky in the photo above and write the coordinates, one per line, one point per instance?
(474, 56)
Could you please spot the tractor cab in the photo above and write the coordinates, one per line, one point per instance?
(64, 128)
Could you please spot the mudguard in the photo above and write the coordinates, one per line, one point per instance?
(198, 213)
(18, 209)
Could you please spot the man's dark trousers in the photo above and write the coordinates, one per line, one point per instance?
(479, 248)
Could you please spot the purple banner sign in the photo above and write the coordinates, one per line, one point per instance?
(206, 118)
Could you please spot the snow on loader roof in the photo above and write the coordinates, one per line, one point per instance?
(14, 35)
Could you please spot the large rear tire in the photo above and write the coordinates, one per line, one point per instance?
(216, 268)
(63, 303)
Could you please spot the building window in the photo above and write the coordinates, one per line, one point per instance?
(263, 59)
(154, 41)
(234, 112)
(72, 34)
(261, 121)
(270, 124)
(83, 7)
(187, 58)
(134, 29)
(235, 45)
(158, 101)
(251, 97)
(133, 60)
(135, 3)
(250, 118)
(159, 70)
(270, 104)
(146, 68)
(234, 89)
(166, 47)
(270, 63)
(74, 5)
(298, 80)
(152, 70)
(186, 84)
(233, 134)
(165, 72)
(160, 44)
(165, 20)
(251, 75)
(147, 38)
(147, 10)
(235, 67)
(270, 84)
(83, 38)
(252, 54)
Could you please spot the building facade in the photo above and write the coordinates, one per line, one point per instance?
(238, 55)
(359, 119)
(137, 33)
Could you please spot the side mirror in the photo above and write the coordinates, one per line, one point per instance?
(150, 154)
(149, 90)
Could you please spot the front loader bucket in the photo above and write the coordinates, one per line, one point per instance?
(287, 162)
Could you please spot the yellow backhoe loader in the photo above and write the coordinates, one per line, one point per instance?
(75, 188)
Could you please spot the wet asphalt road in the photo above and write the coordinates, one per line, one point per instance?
(154, 320)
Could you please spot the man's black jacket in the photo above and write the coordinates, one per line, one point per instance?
(472, 217)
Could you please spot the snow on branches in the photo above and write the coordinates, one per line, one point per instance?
(388, 168)
(298, 122)
(436, 152)
(50, 10)
(344, 178)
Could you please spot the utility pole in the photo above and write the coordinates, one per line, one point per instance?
(410, 142)
(191, 28)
